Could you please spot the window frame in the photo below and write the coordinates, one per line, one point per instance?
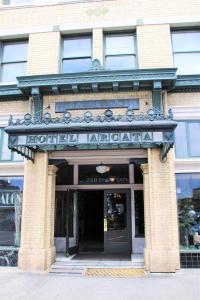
(12, 152)
(74, 37)
(188, 146)
(3, 63)
(181, 31)
(120, 34)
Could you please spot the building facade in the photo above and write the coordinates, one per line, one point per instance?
(99, 131)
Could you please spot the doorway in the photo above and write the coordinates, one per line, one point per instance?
(91, 215)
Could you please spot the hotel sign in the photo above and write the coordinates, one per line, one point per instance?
(95, 138)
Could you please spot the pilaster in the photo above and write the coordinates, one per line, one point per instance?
(37, 250)
(161, 223)
(97, 50)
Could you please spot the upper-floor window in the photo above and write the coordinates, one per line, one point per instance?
(5, 153)
(13, 62)
(10, 2)
(120, 53)
(186, 48)
(77, 54)
(187, 137)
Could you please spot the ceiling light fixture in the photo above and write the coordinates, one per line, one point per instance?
(101, 168)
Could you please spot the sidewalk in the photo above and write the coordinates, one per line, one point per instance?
(14, 285)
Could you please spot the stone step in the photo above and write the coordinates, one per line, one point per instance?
(96, 265)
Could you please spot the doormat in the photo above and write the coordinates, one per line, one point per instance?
(116, 272)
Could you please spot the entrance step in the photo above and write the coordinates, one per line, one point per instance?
(66, 270)
(68, 267)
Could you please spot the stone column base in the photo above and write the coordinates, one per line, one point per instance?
(162, 261)
(36, 260)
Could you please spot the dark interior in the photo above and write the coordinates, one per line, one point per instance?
(91, 234)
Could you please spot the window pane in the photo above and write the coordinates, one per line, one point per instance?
(188, 195)
(5, 152)
(194, 138)
(21, 1)
(11, 71)
(186, 41)
(120, 62)
(139, 214)
(187, 63)
(181, 140)
(17, 157)
(10, 210)
(76, 65)
(117, 174)
(14, 52)
(120, 45)
(77, 47)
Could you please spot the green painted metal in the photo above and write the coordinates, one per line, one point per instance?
(31, 134)
(38, 102)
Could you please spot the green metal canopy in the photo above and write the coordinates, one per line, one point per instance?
(106, 131)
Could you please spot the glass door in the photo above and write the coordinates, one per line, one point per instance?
(72, 222)
(117, 222)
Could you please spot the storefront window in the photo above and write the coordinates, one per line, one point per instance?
(188, 195)
(10, 210)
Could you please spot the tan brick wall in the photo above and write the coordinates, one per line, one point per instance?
(44, 53)
(10, 107)
(145, 99)
(161, 221)
(114, 11)
(97, 37)
(184, 99)
(154, 46)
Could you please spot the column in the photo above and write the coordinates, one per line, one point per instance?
(44, 53)
(37, 250)
(161, 221)
(97, 51)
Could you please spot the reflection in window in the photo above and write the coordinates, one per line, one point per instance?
(139, 214)
(187, 135)
(120, 52)
(14, 59)
(5, 152)
(188, 196)
(186, 47)
(116, 211)
(10, 210)
(77, 53)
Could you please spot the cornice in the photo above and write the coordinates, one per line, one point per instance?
(97, 79)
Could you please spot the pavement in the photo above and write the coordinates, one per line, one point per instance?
(16, 285)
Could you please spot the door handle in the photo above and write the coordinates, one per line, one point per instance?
(105, 225)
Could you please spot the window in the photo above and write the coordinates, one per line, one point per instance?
(186, 47)
(120, 52)
(10, 2)
(5, 152)
(117, 174)
(188, 197)
(14, 57)
(187, 136)
(77, 54)
(10, 210)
